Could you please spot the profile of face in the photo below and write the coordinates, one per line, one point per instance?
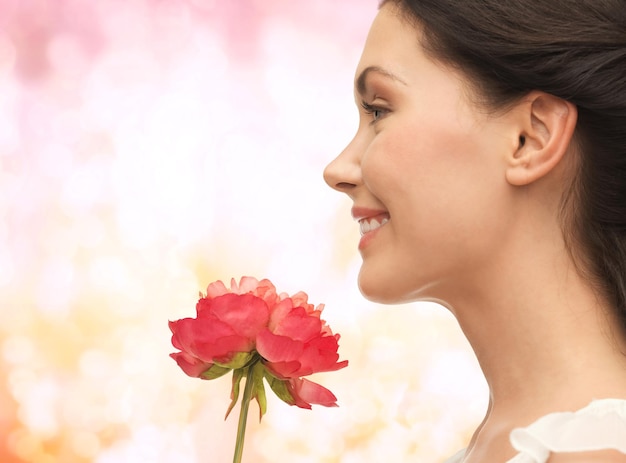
(425, 171)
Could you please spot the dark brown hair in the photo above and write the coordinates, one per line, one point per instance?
(575, 50)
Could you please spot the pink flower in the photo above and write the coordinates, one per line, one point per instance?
(225, 329)
(259, 334)
(298, 343)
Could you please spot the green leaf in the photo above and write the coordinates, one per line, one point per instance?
(257, 373)
(280, 388)
(215, 372)
(239, 360)
(234, 392)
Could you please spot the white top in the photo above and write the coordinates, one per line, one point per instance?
(601, 425)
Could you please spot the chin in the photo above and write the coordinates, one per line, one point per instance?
(396, 290)
(381, 291)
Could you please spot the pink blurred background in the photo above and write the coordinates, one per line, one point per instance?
(148, 147)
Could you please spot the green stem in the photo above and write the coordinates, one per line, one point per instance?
(243, 415)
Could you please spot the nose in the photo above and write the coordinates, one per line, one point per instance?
(344, 172)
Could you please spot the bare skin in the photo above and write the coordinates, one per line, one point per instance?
(472, 204)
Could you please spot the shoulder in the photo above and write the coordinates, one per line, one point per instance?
(599, 456)
(596, 433)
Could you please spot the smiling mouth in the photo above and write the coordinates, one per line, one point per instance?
(369, 224)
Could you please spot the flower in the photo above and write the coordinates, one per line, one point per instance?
(298, 343)
(223, 334)
(259, 335)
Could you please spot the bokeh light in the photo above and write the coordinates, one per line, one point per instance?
(148, 147)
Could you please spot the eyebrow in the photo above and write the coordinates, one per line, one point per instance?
(362, 79)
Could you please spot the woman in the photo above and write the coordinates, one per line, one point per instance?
(488, 173)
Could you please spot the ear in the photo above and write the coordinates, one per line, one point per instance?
(546, 125)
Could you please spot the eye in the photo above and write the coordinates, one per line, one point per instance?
(375, 111)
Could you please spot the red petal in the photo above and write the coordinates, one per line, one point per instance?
(246, 285)
(263, 289)
(315, 361)
(208, 339)
(301, 299)
(266, 291)
(245, 313)
(279, 312)
(215, 289)
(190, 365)
(318, 355)
(222, 349)
(307, 392)
(284, 370)
(188, 331)
(326, 343)
(174, 328)
(298, 325)
(204, 307)
(276, 348)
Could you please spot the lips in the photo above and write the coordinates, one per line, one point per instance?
(359, 213)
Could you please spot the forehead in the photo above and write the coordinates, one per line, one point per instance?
(392, 43)
(393, 51)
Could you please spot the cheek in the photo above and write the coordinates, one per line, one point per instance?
(392, 159)
(414, 160)
(441, 186)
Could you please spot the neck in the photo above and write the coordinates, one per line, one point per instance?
(544, 343)
(529, 350)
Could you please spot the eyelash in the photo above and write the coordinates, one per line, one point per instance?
(372, 110)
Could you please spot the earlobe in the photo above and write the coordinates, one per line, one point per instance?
(546, 128)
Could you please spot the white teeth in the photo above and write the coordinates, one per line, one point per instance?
(367, 225)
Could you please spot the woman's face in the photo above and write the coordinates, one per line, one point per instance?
(425, 171)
